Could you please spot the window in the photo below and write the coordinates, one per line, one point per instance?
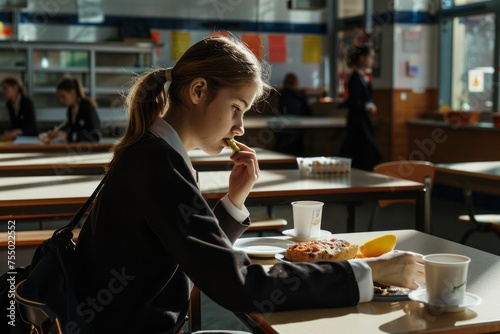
(466, 2)
(350, 8)
(469, 56)
(473, 62)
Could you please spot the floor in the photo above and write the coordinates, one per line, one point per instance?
(444, 215)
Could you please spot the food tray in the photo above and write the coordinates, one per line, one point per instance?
(323, 166)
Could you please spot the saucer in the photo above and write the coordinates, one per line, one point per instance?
(470, 300)
(291, 233)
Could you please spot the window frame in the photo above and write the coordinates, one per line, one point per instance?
(446, 18)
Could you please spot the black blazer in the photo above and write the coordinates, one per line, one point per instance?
(359, 144)
(87, 126)
(151, 234)
(25, 119)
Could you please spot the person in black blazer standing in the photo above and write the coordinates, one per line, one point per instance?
(82, 121)
(21, 110)
(359, 143)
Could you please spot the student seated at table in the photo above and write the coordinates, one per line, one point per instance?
(20, 108)
(82, 123)
(292, 102)
(153, 235)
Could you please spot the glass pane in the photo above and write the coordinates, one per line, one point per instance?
(60, 59)
(110, 59)
(465, 2)
(349, 8)
(473, 50)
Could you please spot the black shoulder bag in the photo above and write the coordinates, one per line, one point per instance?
(44, 291)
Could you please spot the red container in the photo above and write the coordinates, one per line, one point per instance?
(496, 119)
(462, 117)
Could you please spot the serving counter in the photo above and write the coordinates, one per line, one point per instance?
(441, 142)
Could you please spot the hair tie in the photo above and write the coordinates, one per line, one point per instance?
(168, 74)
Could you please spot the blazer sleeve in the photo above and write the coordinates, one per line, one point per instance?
(92, 126)
(357, 93)
(191, 233)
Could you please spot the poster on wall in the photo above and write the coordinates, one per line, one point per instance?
(277, 48)
(181, 40)
(254, 43)
(311, 49)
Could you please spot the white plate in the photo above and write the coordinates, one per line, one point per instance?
(420, 295)
(322, 234)
(281, 257)
(262, 247)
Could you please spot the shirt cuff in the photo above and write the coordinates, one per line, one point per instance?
(238, 215)
(363, 274)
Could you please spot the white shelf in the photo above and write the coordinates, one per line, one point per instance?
(85, 70)
(119, 70)
(36, 77)
(12, 69)
(51, 90)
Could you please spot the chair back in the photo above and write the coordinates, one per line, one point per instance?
(413, 170)
(42, 318)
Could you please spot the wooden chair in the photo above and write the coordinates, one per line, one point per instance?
(414, 170)
(268, 223)
(44, 320)
(483, 223)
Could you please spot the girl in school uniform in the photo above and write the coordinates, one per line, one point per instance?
(20, 108)
(82, 121)
(359, 142)
(152, 235)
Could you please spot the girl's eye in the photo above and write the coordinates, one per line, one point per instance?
(236, 109)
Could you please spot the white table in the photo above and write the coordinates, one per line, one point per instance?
(404, 316)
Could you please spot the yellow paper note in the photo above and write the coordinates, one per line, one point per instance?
(311, 49)
(181, 41)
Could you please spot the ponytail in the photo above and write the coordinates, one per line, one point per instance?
(354, 54)
(146, 101)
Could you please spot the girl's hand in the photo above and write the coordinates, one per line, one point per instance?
(398, 268)
(245, 173)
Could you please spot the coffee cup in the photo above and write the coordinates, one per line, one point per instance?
(446, 278)
(307, 218)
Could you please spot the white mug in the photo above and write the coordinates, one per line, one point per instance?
(446, 278)
(307, 218)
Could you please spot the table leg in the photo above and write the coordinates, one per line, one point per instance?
(422, 215)
(351, 217)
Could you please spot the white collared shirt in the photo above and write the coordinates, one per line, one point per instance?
(163, 130)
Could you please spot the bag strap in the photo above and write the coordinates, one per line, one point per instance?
(78, 216)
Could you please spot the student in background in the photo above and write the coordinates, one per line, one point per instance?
(292, 103)
(82, 123)
(359, 143)
(21, 110)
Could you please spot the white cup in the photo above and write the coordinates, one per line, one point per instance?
(446, 278)
(307, 218)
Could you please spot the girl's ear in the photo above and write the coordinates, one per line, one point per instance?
(198, 90)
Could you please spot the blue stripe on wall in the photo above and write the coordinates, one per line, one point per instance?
(379, 18)
(415, 17)
(173, 23)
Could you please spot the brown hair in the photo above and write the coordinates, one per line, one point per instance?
(15, 82)
(69, 84)
(354, 54)
(291, 81)
(222, 61)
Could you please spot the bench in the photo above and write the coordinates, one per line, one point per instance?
(31, 238)
(266, 224)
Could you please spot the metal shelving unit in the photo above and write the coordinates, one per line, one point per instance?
(103, 68)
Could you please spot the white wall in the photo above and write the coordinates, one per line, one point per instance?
(260, 11)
